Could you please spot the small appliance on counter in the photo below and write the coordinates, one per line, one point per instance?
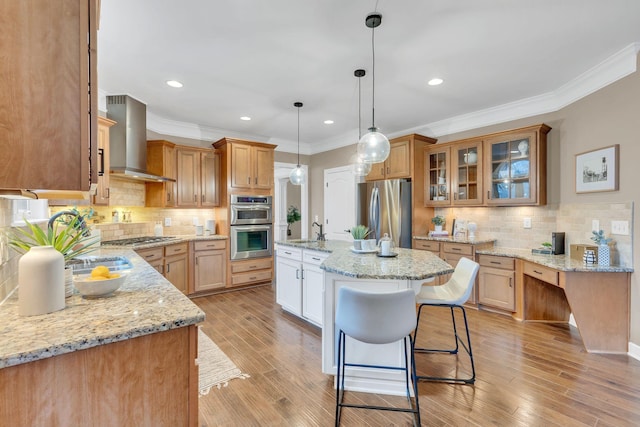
(557, 243)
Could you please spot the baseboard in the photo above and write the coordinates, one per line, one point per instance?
(634, 350)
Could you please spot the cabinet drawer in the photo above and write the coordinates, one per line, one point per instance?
(289, 252)
(180, 248)
(153, 254)
(251, 277)
(313, 257)
(496, 261)
(543, 273)
(457, 248)
(208, 245)
(427, 245)
(251, 265)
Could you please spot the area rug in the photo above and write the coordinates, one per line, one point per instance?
(216, 369)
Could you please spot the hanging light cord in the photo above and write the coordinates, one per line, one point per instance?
(373, 77)
(359, 114)
(298, 137)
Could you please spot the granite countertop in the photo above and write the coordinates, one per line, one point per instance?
(558, 262)
(173, 241)
(147, 303)
(410, 264)
(475, 241)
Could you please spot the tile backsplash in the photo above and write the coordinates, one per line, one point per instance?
(505, 224)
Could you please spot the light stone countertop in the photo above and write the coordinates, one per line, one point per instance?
(176, 239)
(557, 262)
(476, 241)
(145, 304)
(410, 264)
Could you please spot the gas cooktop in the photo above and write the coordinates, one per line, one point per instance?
(132, 241)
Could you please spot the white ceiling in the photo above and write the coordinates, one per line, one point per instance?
(499, 59)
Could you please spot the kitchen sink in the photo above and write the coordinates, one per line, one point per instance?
(85, 264)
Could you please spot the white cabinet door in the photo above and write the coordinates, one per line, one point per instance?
(312, 293)
(289, 285)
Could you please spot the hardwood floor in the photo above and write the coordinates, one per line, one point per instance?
(527, 374)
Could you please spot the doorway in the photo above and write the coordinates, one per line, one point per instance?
(286, 195)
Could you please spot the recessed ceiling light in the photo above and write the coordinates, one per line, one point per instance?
(245, 118)
(435, 82)
(174, 83)
(328, 122)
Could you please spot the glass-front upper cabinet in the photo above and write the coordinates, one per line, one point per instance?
(516, 167)
(437, 185)
(466, 179)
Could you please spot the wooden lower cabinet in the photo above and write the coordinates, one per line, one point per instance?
(171, 261)
(496, 282)
(451, 252)
(209, 265)
(251, 272)
(150, 380)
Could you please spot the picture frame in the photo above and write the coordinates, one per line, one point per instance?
(597, 170)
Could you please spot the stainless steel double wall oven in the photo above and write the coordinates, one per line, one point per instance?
(251, 227)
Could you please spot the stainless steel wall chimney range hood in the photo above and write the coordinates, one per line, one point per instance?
(128, 139)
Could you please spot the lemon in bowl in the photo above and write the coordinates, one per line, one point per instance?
(100, 282)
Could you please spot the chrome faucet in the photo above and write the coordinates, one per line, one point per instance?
(321, 236)
(79, 225)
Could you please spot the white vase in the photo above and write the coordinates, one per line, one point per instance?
(357, 244)
(438, 228)
(41, 281)
(604, 255)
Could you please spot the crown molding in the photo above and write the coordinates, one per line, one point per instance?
(612, 69)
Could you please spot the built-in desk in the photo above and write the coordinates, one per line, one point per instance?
(549, 288)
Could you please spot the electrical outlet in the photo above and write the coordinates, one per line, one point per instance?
(595, 225)
(167, 222)
(196, 221)
(526, 223)
(620, 227)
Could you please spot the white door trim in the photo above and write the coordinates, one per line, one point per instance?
(281, 176)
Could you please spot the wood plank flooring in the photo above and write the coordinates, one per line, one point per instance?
(528, 374)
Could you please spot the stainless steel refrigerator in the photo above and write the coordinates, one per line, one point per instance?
(385, 207)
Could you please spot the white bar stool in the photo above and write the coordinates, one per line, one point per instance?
(376, 318)
(452, 294)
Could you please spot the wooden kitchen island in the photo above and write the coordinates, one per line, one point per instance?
(129, 359)
(410, 269)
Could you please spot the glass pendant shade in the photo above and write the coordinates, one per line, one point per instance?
(297, 176)
(358, 167)
(373, 147)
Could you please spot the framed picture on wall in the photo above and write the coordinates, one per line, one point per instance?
(597, 170)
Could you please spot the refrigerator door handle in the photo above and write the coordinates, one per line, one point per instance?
(374, 208)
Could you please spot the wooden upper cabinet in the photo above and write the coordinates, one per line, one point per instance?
(198, 177)
(48, 134)
(501, 169)
(161, 160)
(397, 165)
(516, 167)
(247, 165)
(102, 193)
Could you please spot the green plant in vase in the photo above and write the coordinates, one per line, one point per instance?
(438, 221)
(359, 233)
(71, 240)
(293, 216)
(604, 252)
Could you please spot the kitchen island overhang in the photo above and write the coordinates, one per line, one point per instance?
(409, 270)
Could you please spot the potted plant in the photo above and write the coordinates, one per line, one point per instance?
(66, 235)
(604, 252)
(293, 216)
(438, 221)
(359, 233)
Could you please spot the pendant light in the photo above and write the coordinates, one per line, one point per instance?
(373, 147)
(358, 166)
(297, 176)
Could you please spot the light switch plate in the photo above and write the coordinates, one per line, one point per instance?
(167, 222)
(526, 223)
(620, 227)
(595, 225)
